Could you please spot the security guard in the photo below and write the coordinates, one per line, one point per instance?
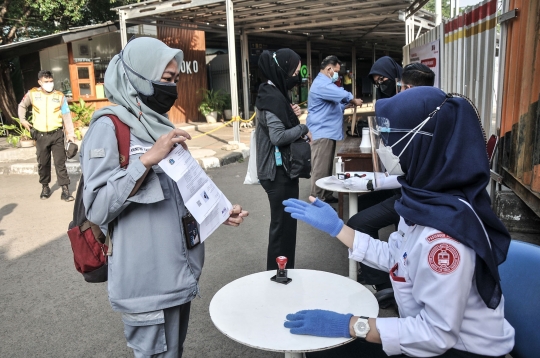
(347, 81)
(51, 115)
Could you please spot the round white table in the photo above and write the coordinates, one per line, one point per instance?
(323, 183)
(251, 310)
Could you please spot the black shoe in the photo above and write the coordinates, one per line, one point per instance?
(45, 192)
(65, 194)
(331, 200)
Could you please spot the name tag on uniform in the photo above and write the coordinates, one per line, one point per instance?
(97, 153)
(138, 149)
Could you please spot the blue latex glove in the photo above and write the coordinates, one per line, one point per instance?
(319, 323)
(320, 215)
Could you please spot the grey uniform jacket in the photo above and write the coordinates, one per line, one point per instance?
(150, 267)
(271, 132)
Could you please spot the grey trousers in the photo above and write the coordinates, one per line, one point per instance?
(164, 340)
(322, 161)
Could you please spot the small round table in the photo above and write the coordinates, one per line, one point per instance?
(251, 310)
(353, 209)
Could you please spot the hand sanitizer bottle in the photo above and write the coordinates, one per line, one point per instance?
(340, 166)
(277, 154)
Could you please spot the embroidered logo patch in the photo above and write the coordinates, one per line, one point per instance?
(443, 258)
(97, 153)
(439, 236)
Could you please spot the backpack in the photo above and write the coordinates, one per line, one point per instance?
(90, 246)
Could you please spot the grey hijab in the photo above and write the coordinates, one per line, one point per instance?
(148, 58)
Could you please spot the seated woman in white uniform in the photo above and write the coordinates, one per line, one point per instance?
(443, 259)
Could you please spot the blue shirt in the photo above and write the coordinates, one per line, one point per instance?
(326, 103)
(65, 108)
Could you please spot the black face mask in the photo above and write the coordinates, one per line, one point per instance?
(163, 98)
(388, 87)
(292, 81)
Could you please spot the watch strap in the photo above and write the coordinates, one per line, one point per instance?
(370, 185)
(366, 318)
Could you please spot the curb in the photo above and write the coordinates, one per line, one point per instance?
(74, 168)
(203, 127)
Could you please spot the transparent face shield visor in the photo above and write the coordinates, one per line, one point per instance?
(385, 162)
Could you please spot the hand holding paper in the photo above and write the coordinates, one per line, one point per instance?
(163, 146)
(237, 216)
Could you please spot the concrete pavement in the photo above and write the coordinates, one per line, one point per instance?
(48, 310)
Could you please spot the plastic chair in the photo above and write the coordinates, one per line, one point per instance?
(520, 284)
(491, 147)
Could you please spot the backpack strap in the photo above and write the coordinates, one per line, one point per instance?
(122, 136)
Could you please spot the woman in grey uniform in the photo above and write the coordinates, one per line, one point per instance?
(152, 275)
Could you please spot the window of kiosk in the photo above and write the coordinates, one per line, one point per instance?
(82, 75)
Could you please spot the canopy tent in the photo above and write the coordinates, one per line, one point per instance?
(340, 25)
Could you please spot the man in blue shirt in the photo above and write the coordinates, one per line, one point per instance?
(326, 103)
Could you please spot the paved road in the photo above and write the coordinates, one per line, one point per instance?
(47, 310)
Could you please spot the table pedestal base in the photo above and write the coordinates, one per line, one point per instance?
(294, 355)
(353, 209)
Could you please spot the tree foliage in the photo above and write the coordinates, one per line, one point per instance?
(24, 19)
(445, 5)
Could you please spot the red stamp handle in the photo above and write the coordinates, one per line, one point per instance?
(282, 262)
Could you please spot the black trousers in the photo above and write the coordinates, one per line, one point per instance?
(362, 349)
(282, 233)
(45, 144)
(375, 211)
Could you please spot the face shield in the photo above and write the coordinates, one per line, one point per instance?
(385, 162)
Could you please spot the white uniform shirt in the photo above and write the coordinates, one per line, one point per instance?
(434, 285)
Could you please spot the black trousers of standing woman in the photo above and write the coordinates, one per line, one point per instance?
(282, 233)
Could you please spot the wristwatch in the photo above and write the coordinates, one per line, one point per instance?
(361, 327)
(370, 185)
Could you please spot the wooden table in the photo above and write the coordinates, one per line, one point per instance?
(251, 310)
(355, 161)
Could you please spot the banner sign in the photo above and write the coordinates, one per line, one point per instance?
(428, 55)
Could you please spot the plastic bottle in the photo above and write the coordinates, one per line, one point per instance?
(277, 154)
(340, 166)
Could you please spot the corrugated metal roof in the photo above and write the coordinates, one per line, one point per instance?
(358, 23)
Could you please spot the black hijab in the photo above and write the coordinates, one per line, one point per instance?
(442, 169)
(386, 67)
(277, 67)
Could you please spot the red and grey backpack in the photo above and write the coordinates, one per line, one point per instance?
(89, 244)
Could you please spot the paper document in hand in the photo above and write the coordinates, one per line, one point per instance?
(177, 163)
(217, 216)
(206, 203)
(201, 203)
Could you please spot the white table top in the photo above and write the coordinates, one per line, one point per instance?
(252, 309)
(327, 183)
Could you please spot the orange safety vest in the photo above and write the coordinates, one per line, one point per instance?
(46, 112)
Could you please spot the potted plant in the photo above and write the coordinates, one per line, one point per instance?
(227, 111)
(212, 104)
(82, 115)
(21, 136)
